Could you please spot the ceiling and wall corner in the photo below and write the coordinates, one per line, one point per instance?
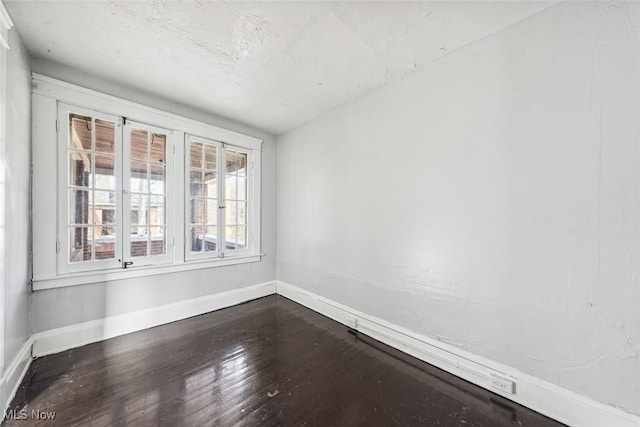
(272, 65)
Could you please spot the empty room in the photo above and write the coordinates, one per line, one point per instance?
(320, 213)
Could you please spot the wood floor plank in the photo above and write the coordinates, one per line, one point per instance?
(269, 362)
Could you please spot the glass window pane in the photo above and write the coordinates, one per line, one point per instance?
(139, 183)
(211, 185)
(158, 166)
(139, 144)
(105, 239)
(157, 171)
(210, 157)
(104, 198)
(210, 239)
(196, 183)
(242, 188)
(242, 164)
(156, 210)
(158, 241)
(105, 136)
(156, 187)
(157, 183)
(241, 238)
(80, 239)
(230, 213)
(139, 209)
(158, 149)
(79, 169)
(231, 161)
(195, 154)
(242, 213)
(80, 207)
(139, 241)
(105, 172)
(197, 238)
(80, 131)
(107, 216)
(230, 237)
(197, 211)
(231, 188)
(211, 206)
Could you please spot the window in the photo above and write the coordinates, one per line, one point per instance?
(145, 194)
(218, 199)
(100, 189)
(135, 191)
(88, 213)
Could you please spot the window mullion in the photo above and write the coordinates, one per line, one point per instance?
(93, 172)
(222, 176)
(126, 193)
(119, 175)
(147, 212)
(203, 198)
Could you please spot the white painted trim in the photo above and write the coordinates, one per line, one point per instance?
(74, 279)
(64, 187)
(60, 339)
(5, 25)
(548, 399)
(14, 375)
(5, 18)
(78, 95)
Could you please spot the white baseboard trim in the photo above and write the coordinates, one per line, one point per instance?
(546, 398)
(541, 396)
(14, 374)
(60, 339)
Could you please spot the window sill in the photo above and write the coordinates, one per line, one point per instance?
(74, 279)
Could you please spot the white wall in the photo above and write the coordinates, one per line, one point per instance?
(491, 200)
(3, 143)
(16, 162)
(15, 175)
(66, 306)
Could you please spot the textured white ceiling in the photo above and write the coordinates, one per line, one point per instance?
(273, 65)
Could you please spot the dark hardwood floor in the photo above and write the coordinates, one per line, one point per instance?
(269, 362)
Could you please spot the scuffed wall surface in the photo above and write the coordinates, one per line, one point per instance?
(490, 200)
(16, 204)
(72, 305)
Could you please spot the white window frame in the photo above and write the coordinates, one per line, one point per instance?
(250, 201)
(122, 190)
(221, 190)
(64, 266)
(149, 259)
(48, 271)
